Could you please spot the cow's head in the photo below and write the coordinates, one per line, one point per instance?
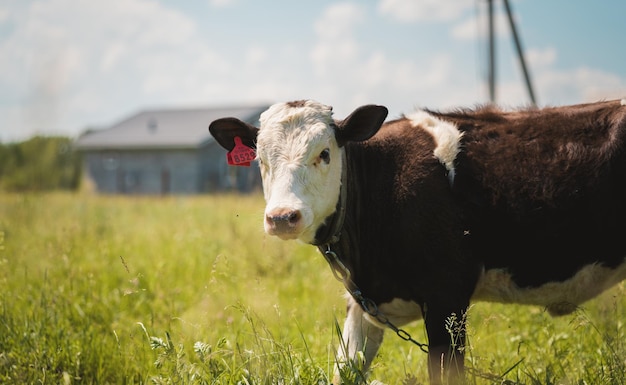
(299, 148)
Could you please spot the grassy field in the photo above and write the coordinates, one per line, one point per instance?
(186, 290)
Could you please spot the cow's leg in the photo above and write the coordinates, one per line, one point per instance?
(446, 346)
(359, 336)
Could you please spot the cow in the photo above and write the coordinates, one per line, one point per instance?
(423, 214)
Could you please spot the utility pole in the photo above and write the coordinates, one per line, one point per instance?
(492, 54)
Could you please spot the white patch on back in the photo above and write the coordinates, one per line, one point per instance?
(447, 138)
(559, 298)
(623, 102)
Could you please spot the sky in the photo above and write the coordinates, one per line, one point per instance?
(71, 65)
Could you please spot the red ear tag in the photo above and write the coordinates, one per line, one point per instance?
(240, 155)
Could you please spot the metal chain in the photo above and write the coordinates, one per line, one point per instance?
(341, 272)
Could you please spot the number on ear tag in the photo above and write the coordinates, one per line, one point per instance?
(240, 155)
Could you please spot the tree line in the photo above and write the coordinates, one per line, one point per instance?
(41, 163)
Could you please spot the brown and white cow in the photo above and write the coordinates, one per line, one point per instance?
(434, 210)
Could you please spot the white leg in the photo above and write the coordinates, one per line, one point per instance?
(361, 340)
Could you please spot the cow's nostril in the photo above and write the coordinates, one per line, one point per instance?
(294, 217)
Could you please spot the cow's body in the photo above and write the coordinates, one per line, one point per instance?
(443, 208)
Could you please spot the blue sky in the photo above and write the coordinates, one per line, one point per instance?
(68, 65)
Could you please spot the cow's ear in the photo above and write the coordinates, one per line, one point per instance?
(361, 124)
(226, 129)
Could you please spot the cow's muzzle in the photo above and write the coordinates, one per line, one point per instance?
(284, 223)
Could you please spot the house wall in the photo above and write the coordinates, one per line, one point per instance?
(143, 171)
(217, 175)
(183, 171)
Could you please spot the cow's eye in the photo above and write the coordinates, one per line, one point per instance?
(325, 156)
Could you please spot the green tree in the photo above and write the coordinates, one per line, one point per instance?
(40, 164)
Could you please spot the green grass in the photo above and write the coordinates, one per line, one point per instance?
(186, 290)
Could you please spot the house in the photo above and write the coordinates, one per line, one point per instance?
(166, 151)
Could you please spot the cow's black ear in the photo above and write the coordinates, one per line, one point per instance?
(226, 129)
(361, 124)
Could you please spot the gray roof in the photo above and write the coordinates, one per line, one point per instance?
(165, 128)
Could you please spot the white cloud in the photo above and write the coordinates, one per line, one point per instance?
(538, 58)
(554, 86)
(349, 72)
(424, 10)
(339, 20)
(107, 52)
(112, 55)
(336, 48)
(256, 56)
(221, 3)
(475, 26)
(581, 84)
(67, 72)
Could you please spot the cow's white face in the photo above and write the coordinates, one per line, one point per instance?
(300, 150)
(301, 165)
